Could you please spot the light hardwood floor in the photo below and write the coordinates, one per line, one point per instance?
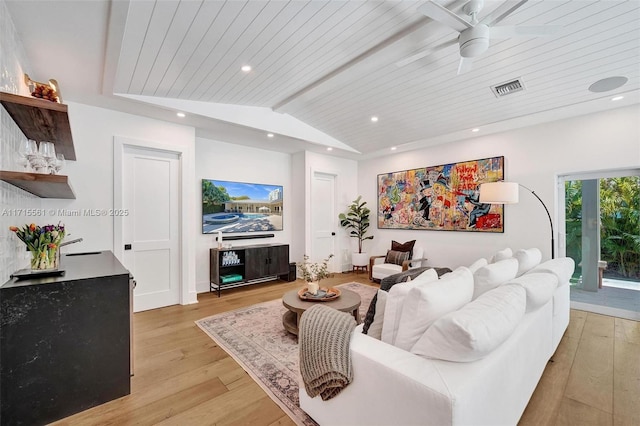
(183, 378)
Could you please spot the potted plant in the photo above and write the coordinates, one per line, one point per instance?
(357, 220)
(313, 272)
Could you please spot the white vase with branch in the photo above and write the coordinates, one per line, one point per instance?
(313, 272)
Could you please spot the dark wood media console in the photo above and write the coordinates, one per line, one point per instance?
(239, 266)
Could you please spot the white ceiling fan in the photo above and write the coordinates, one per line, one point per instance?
(475, 35)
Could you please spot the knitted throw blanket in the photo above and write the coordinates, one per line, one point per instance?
(325, 363)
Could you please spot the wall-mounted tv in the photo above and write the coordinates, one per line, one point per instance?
(240, 207)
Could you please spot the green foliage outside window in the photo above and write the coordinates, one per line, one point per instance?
(620, 225)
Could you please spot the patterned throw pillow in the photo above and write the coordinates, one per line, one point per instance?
(396, 257)
(408, 246)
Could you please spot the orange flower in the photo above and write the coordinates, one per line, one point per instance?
(32, 227)
(51, 245)
(13, 228)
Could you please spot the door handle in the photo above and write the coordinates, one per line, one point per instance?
(333, 234)
(127, 246)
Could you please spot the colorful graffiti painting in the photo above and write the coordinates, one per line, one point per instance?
(441, 198)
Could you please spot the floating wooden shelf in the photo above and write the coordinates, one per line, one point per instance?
(41, 120)
(40, 185)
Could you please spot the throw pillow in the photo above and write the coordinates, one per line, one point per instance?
(393, 309)
(562, 268)
(527, 259)
(396, 257)
(375, 330)
(408, 246)
(426, 303)
(479, 327)
(493, 275)
(502, 255)
(539, 287)
(425, 277)
(478, 264)
(390, 281)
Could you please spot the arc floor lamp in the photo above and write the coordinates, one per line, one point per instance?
(507, 193)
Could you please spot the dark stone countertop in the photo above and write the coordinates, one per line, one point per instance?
(77, 267)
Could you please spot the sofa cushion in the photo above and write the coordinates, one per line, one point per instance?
(426, 276)
(478, 264)
(502, 255)
(396, 257)
(375, 329)
(527, 259)
(473, 331)
(426, 303)
(388, 282)
(395, 303)
(493, 275)
(562, 268)
(408, 246)
(539, 287)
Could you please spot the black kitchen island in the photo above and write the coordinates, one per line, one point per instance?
(65, 340)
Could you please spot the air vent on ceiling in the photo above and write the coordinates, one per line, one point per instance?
(508, 88)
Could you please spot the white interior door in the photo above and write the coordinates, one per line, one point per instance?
(150, 231)
(323, 219)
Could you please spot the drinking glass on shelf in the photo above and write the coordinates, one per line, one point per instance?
(22, 161)
(27, 149)
(48, 152)
(60, 162)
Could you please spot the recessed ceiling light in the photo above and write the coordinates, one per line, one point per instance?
(393, 148)
(269, 135)
(246, 68)
(374, 119)
(329, 148)
(617, 98)
(181, 114)
(475, 130)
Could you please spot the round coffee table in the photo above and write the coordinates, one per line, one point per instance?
(348, 301)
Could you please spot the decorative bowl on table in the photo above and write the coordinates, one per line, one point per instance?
(323, 294)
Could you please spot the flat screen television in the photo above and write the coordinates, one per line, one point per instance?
(240, 207)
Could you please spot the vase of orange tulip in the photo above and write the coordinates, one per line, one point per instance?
(43, 242)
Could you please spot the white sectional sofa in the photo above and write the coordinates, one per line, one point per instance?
(392, 386)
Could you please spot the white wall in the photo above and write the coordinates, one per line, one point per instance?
(91, 176)
(534, 156)
(224, 161)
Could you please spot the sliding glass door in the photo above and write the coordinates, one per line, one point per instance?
(600, 230)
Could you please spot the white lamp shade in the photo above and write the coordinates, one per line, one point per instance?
(499, 193)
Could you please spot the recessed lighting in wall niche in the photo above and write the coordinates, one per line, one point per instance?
(181, 114)
(329, 148)
(607, 84)
(374, 119)
(393, 148)
(269, 135)
(476, 130)
(246, 68)
(617, 98)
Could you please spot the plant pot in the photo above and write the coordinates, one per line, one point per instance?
(360, 259)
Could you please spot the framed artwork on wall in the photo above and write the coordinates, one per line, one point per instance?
(441, 198)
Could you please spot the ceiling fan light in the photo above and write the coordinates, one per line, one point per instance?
(474, 41)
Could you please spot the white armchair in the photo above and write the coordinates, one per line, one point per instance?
(378, 269)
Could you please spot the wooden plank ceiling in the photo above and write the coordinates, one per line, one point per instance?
(331, 65)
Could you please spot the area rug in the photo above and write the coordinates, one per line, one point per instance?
(255, 338)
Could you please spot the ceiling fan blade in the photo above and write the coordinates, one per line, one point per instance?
(465, 65)
(443, 15)
(527, 31)
(425, 53)
(501, 12)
